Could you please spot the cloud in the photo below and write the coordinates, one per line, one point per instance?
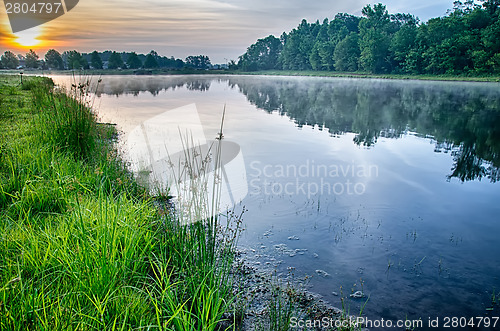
(219, 28)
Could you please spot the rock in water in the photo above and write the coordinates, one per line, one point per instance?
(322, 273)
(357, 295)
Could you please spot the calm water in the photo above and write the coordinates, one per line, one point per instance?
(388, 187)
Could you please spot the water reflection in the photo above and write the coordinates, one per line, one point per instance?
(462, 118)
(117, 85)
(422, 247)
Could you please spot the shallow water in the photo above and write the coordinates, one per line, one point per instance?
(388, 187)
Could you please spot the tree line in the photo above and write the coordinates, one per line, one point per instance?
(465, 41)
(100, 60)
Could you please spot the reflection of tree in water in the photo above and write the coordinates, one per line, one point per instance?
(198, 85)
(118, 85)
(461, 118)
(468, 166)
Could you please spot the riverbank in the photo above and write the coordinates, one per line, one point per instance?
(373, 76)
(305, 73)
(85, 247)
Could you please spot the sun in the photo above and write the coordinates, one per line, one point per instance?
(28, 38)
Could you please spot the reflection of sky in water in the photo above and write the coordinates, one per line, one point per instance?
(422, 245)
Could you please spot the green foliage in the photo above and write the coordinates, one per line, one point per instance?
(75, 60)
(298, 46)
(374, 39)
(403, 46)
(281, 307)
(115, 61)
(95, 60)
(9, 60)
(162, 61)
(150, 61)
(465, 42)
(347, 53)
(263, 55)
(53, 59)
(31, 59)
(198, 62)
(69, 120)
(133, 61)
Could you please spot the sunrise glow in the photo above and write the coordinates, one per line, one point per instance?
(28, 38)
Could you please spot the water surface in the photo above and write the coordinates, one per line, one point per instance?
(388, 187)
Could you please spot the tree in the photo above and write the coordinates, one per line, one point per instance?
(150, 61)
(31, 59)
(299, 45)
(53, 59)
(133, 61)
(374, 39)
(115, 61)
(74, 60)
(321, 56)
(9, 60)
(347, 53)
(263, 55)
(466, 41)
(85, 63)
(95, 60)
(198, 62)
(403, 48)
(492, 7)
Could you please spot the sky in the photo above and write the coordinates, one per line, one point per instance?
(221, 29)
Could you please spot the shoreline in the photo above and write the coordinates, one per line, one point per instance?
(283, 73)
(78, 216)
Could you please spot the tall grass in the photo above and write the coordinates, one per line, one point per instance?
(82, 246)
(281, 307)
(201, 242)
(66, 121)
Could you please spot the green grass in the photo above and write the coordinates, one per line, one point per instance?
(281, 307)
(370, 75)
(82, 246)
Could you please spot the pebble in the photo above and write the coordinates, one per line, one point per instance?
(301, 251)
(322, 273)
(357, 295)
(268, 233)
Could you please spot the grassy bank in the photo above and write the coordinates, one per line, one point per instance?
(369, 75)
(82, 246)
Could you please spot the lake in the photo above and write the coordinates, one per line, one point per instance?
(381, 186)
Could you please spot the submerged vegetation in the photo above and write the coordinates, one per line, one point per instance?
(82, 245)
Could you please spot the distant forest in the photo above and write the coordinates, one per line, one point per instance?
(466, 41)
(101, 60)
